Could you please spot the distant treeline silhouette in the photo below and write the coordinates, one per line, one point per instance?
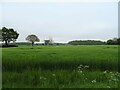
(8, 35)
(114, 41)
(28, 43)
(86, 42)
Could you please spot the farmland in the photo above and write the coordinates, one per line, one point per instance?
(83, 66)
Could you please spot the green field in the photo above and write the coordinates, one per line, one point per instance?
(60, 67)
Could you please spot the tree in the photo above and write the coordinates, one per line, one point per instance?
(32, 38)
(51, 41)
(8, 35)
(114, 41)
(110, 42)
(118, 40)
(47, 42)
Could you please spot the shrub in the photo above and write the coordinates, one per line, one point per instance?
(4, 46)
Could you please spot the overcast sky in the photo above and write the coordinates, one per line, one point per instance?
(63, 21)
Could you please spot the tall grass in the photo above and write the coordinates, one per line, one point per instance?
(60, 67)
(60, 79)
(60, 57)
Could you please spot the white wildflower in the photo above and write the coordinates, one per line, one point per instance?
(94, 81)
(79, 67)
(80, 71)
(53, 74)
(45, 78)
(86, 66)
(40, 77)
(111, 72)
(108, 87)
(105, 72)
(111, 76)
(114, 79)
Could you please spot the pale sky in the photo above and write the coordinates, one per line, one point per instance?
(62, 20)
(59, 1)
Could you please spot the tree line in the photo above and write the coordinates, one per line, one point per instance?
(8, 35)
(114, 41)
(86, 42)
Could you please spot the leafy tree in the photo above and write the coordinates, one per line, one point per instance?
(8, 35)
(32, 38)
(110, 42)
(114, 41)
(118, 41)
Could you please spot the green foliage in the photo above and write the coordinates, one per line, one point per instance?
(114, 41)
(12, 45)
(86, 42)
(32, 38)
(47, 42)
(60, 79)
(60, 57)
(8, 35)
(23, 43)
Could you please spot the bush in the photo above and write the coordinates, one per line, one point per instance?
(3, 46)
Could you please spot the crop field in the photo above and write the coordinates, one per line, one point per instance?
(92, 66)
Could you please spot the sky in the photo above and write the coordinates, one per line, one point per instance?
(62, 21)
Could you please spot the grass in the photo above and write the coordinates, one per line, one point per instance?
(57, 66)
(58, 79)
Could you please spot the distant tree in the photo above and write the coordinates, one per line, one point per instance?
(118, 40)
(47, 42)
(110, 42)
(51, 41)
(8, 35)
(32, 38)
(114, 41)
(0, 34)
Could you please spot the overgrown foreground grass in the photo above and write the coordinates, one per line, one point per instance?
(60, 67)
